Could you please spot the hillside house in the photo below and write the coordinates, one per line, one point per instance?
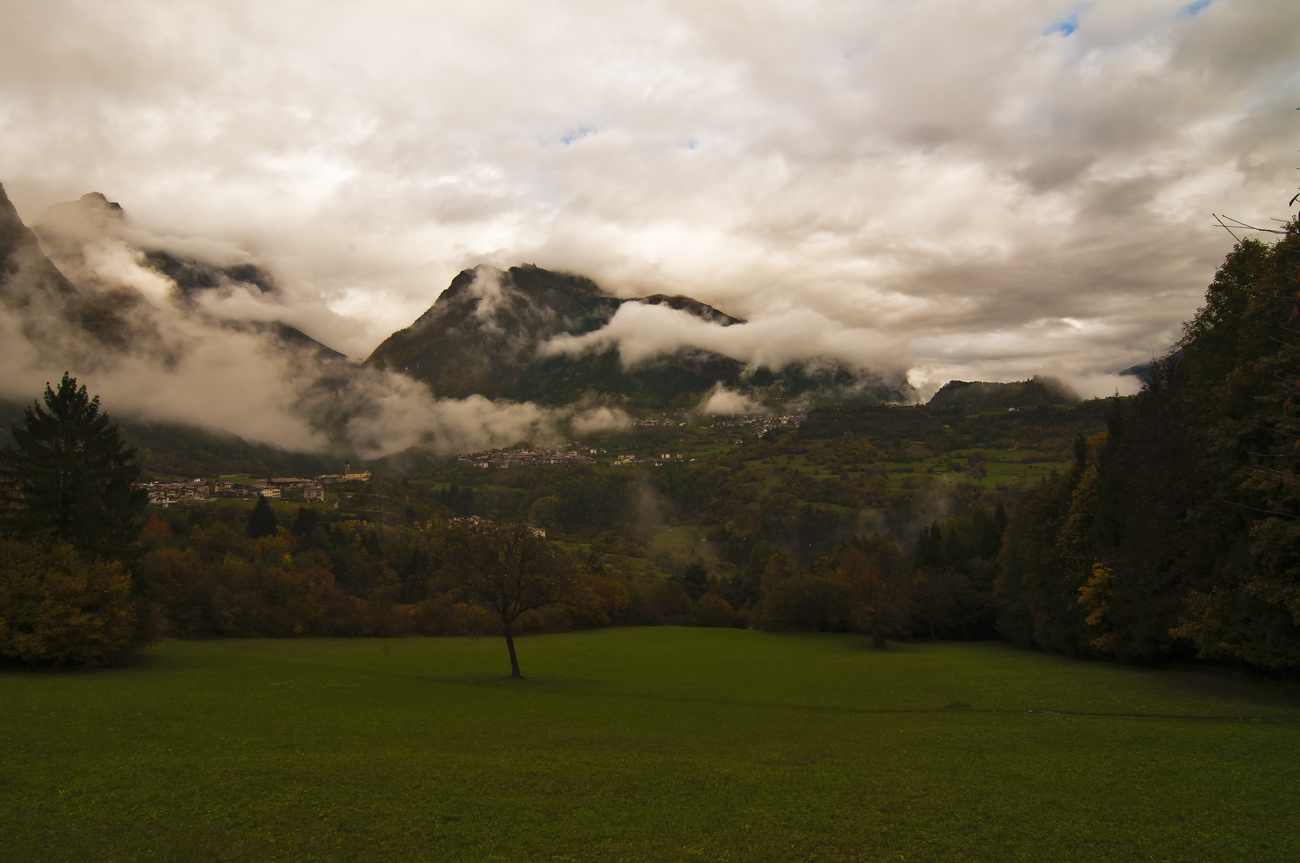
(167, 493)
(350, 475)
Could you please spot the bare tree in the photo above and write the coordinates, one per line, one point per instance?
(509, 568)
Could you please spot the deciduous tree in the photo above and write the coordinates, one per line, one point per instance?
(59, 609)
(509, 569)
(874, 571)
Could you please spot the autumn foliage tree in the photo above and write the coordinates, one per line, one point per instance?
(875, 574)
(59, 609)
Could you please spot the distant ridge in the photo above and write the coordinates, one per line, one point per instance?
(985, 395)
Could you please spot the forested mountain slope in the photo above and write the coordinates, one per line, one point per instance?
(1177, 531)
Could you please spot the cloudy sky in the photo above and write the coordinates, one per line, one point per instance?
(943, 189)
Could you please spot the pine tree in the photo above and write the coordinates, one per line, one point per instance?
(68, 477)
(695, 578)
(262, 520)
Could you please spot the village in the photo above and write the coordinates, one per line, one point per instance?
(477, 524)
(506, 458)
(760, 425)
(312, 489)
(579, 453)
(165, 494)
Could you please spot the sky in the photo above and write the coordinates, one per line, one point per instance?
(937, 190)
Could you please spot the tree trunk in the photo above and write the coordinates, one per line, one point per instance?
(510, 645)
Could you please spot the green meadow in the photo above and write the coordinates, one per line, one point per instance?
(643, 744)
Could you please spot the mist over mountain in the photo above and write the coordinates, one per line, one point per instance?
(201, 335)
(985, 395)
(196, 334)
(530, 334)
(44, 315)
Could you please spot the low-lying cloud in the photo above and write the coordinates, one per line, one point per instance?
(207, 359)
(944, 188)
(722, 400)
(642, 332)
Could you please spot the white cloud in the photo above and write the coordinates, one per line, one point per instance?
(600, 419)
(643, 331)
(206, 361)
(915, 185)
(724, 401)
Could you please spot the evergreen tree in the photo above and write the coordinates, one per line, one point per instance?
(262, 520)
(1244, 601)
(929, 546)
(695, 578)
(1179, 528)
(305, 522)
(68, 477)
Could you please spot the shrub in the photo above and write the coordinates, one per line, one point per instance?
(713, 610)
(58, 609)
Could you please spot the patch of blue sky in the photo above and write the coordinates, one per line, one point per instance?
(1193, 9)
(577, 134)
(1069, 23)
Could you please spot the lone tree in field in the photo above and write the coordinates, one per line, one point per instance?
(509, 568)
(66, 476)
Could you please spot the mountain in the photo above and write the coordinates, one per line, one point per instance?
(181, 335)
(983, 395)
(52, 316)
(65, 229)
(482, 336)
(484, 333)
(69, 231)
(83, 291)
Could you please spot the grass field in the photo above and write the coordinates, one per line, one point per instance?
(686, 539)
(643, 744)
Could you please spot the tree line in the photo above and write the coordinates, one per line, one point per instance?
(1173, 534)
(1176, 532)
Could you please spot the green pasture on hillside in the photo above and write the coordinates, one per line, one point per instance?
(643, 744)
(686, 539)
